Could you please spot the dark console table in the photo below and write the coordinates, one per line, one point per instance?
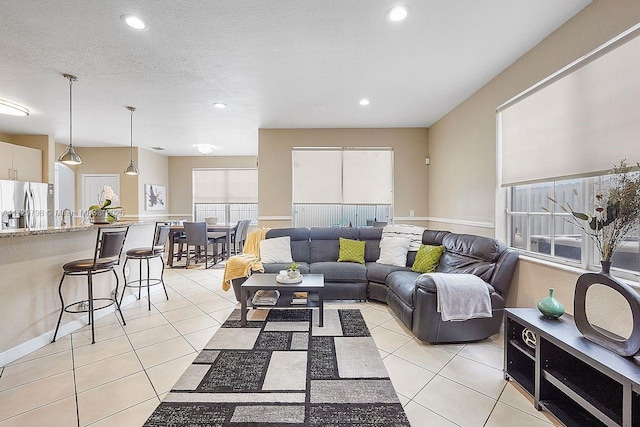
(578, 381)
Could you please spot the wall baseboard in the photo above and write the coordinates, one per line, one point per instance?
(36, 343)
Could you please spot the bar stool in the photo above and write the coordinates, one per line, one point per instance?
(160, 237)
(106, 256)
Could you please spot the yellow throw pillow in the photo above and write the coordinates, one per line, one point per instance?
(427, 258)
(351, 251)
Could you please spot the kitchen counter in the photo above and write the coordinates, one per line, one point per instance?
(20, 232)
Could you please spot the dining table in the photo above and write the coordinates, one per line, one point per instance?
(223, 227)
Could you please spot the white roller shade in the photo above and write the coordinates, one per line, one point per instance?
(225, 186)
(317, 176)
(367, 176)
(580, 123)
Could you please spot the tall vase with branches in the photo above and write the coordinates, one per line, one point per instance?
(616, 211)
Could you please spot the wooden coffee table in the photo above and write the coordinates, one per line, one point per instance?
(311, 283)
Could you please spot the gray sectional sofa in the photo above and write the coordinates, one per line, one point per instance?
(411, 296)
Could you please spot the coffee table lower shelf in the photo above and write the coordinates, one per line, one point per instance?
(313, 284)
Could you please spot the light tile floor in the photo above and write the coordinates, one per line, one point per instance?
(119, 380)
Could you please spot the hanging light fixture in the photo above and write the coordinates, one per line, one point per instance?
(132, 169)
(70, 157)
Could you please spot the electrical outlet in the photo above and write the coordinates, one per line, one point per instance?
(412, 213)
(126, 271)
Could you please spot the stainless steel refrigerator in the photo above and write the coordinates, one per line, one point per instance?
(23, 204)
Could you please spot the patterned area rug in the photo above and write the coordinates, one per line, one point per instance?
(284, 369)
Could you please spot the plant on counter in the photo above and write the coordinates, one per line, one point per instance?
(105, 207)
(616, 212)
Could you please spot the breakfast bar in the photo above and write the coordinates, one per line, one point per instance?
(30, 269)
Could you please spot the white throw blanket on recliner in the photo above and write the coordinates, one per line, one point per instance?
(461, 296)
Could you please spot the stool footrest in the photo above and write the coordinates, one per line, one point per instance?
(82, 304)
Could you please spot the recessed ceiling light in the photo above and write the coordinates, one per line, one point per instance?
(220, 105)
(134, 22)
(364, 101)
(397, 14)
(12, 109)
(205, 149)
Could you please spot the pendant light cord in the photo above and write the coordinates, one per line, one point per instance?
(71, 79)
(131, 109)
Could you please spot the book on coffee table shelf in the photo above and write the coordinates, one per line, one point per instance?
(299, 298)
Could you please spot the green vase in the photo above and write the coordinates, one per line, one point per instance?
(551, 307)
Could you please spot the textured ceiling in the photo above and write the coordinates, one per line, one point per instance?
(276, 63)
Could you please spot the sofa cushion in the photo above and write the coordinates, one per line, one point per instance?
(324, 244)
(276, 267)
(401, 284)
(393, 251)
(299, 241)
(371, 236)
(378, 273)
(427, 258)
(351, 251)
(346, 272)
(465, 253)
(276, 250)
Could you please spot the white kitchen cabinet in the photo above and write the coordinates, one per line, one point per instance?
(20, 163)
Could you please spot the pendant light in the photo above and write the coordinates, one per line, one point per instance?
(132, 169)
(70, 157)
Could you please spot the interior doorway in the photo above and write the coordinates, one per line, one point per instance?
(92, 185)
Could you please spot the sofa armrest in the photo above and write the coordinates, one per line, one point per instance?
(427, 284)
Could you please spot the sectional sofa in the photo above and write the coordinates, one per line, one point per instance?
(412, 296)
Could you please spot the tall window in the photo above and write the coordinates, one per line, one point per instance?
(341, 187)
(227, 194)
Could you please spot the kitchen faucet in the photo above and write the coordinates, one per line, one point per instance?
(64, 213)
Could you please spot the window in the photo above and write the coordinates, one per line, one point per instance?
(539, 227)
(341, 187)
(227, 194)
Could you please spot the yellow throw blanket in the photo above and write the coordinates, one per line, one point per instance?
(242, 265)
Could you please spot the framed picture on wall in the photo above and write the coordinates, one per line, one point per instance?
(155, 197)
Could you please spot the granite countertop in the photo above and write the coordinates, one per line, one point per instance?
(19, 232)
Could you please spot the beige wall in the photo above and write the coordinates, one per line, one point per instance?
(274, 171)
(180, 178)
(6, 137)
(466, 138)
(154, 169)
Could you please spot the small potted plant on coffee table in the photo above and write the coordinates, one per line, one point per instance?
(293, 271)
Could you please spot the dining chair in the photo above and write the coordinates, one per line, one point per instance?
(106, 256)
(196, 237)
(241, 237)
(156, 250)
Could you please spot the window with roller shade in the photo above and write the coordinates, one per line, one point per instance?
(560, 138)
(341, 187)
(227, 194)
